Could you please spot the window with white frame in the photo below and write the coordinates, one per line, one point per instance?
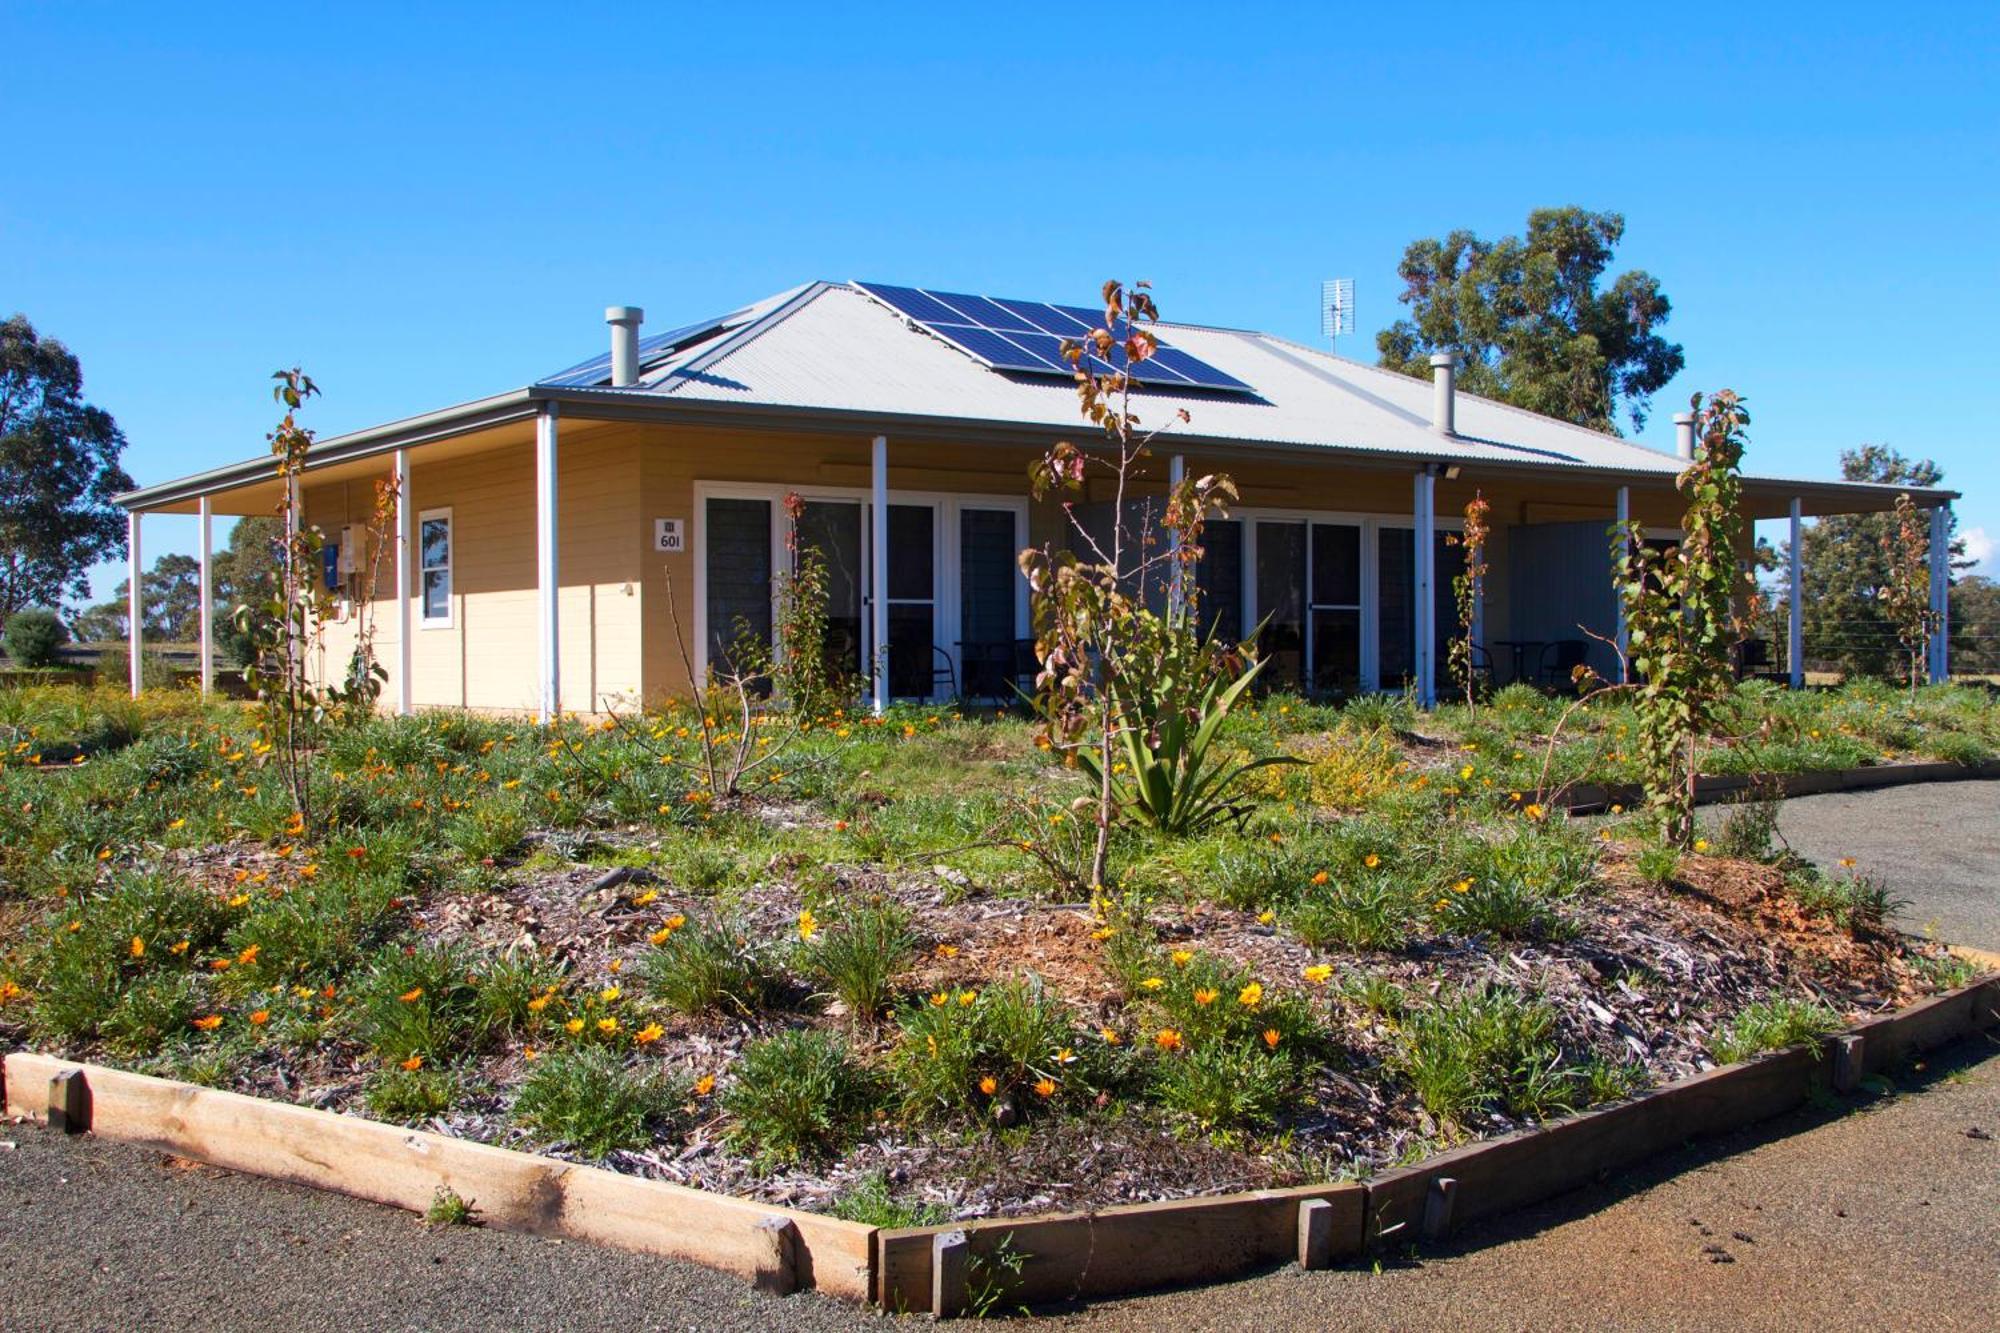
(434, 567)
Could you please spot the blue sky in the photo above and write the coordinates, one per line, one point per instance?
(423, 205)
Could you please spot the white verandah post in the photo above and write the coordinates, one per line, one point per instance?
(1618, 571)
(1795, 616)
(878, 573)
(1423, 544)
(547, 570)
(406, 556)
(205, 521)
(135, 603)
(1940, 663)
(1176, 472)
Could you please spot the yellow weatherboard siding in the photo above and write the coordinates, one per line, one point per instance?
(616, 479)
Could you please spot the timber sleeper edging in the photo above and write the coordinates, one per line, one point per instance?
(1036, 1260)
(1591, 798)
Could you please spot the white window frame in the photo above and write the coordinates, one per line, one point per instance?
(424, 619)
(945, 540)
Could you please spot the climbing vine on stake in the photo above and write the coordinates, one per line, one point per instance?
(1466, 587)
(1907, 595)
(1681, 615)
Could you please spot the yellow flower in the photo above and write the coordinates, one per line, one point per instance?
(138, 947)
(947, 951)
(675, 922)
(1251, 995)
(239, 900)
(1151, 983)
(249, 955)
(649, 1034)
(1182, 957)
(1846, 863)
(607, 1025)
(209, 1023)
(1462, 886)
(1371, 860)
(1465, 772)
(1065, 1056)
(1266, 917)
(939, 999)
(609, 994)
(1206, 996)
(178, 823)
(1110, 1038)
(808, 923)
(704, 1085)
(660, 936)
(539, 1003)
(1319, 973)
(645, 898)
(180, 948)
(1701, 844)
(966, 997)
(574, 1026)
(1167, 1039)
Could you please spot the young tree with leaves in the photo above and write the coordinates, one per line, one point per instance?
(1530, 322)
(1466, 588)
(1906, 597)
(1131, 694)
(1682, 615)
(59, 469)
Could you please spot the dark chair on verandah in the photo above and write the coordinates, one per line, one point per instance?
(1557, 668)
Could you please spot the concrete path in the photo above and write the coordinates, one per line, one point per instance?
(1936, 845)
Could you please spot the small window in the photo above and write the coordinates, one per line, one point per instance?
(434, 566)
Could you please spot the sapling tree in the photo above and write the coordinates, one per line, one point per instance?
(1682, 615)
(1466, 588)
(1128, 691)
(284, 632)
(1906, 597)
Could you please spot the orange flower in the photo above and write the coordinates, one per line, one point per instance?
(209, 1023)
(1207, 995)
(989, 1085)
(1320, 878)
(1371, 860)
(412, 995)
(249, 955)
(1167, 1039)
(138, 947)
(704, 1085)
(1271, 1038)
(260, 1018)
(649, 1034)
(414, 1063)
(218, 965)
(1045, 1087)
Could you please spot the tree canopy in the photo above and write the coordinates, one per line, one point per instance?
(58, 471)
(1531, 325)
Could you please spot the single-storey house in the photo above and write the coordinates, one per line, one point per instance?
(557, 544)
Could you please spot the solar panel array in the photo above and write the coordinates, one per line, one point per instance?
(1027, 336)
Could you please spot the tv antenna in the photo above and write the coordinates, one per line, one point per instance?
(1336, 309)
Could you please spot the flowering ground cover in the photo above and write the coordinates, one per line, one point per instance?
(874, 985)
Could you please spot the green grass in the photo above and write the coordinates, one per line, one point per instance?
(798, 1096)
(589, 1099)
(1772, 1025)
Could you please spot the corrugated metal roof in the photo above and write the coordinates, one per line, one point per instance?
(832, 348)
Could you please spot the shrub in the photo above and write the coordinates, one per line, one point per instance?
(962, 1051)
(587, 1098)
(1657, 863)
(797, 1095)
(411, 1094)
(708, 965)
(871, 1202)
(1486, 1046)
(1226, 1085)
(1747, 828)
(859, 957)
(33, 636)
(1365, 912)
(1508, 907)
(1771, 1025)
(424, 1002)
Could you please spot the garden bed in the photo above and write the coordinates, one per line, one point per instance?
(869, 987)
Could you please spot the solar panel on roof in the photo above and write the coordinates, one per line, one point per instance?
(1026, 336)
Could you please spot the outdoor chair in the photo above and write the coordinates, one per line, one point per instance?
(1559, 661)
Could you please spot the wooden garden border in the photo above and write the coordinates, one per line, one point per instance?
(1060, 1257)
(1590, 798)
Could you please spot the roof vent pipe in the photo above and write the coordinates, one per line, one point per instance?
(1684, 435)
(624, 321)
(1444, 407)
